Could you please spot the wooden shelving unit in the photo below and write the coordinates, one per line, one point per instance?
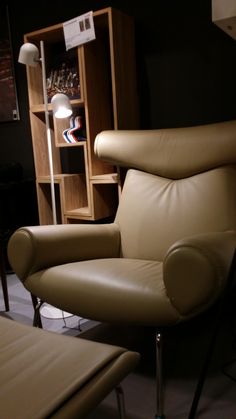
(85, 187)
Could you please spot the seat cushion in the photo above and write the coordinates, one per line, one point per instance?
(105, 289)
(43, 374)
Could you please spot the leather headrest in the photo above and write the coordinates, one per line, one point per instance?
(174, 152)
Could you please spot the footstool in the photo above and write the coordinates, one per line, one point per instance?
(47, 375)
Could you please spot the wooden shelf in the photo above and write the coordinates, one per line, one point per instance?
(85, 187)
(40, 108)
(78, 211)
(78, 144)
(107, 178)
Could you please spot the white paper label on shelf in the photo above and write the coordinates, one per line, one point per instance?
(79, 30)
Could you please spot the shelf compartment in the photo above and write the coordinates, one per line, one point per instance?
(61, 125)
(40, 147)
(104, 200)
(45, 207)
(75, 193)
(71, 196)
(61, 66)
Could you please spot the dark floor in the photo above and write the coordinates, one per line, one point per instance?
(184, 351)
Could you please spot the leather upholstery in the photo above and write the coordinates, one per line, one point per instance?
(35, 248)
(115, 290)
(47, 375)
(173, 153)
(167, 255)
(167, 210)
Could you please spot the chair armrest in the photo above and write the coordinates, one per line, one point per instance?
(31, 249)
(196, 269)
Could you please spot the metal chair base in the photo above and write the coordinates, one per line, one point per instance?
(4, 279)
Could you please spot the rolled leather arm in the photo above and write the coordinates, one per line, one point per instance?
(196, 269)
(31, 249)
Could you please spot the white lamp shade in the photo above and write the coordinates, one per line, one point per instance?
(29, 54)
(61, 105)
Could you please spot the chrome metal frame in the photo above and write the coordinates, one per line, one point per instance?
(120, 401)
(212, 343)
(37, 303)
(4, 278)
(159, 377)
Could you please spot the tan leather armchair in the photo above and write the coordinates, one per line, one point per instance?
(166, 257)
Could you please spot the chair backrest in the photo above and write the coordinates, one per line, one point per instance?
(182, 182)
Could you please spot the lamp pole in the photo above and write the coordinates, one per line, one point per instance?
(29, 55)
(49, 138)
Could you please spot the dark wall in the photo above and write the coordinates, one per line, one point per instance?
(186, 66)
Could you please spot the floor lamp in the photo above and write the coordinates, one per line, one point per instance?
(29, 55)
(61, 107)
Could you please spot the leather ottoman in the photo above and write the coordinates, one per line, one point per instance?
(47, 375)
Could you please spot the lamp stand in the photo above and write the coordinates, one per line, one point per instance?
(49, 139)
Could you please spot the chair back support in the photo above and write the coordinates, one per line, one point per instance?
(182, 182)
(154, 212)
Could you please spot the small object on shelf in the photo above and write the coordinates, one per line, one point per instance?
(63, 77)
(65, 131)
(74, 133)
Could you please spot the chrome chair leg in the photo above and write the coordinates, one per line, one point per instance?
(212, 343)
(4, 278)
(120, 402)
(159, 377)
(37, 318)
